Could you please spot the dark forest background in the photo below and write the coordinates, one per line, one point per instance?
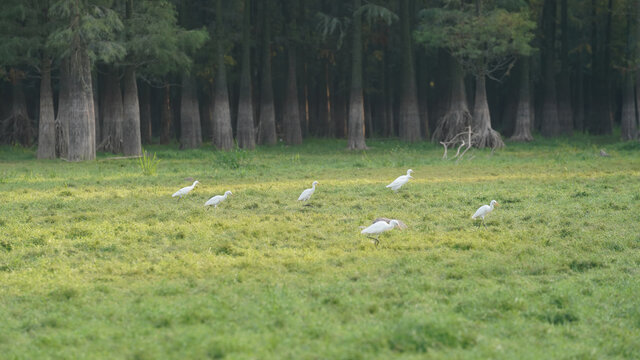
(80, 76)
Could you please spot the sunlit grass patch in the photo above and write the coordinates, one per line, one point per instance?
(96, 258)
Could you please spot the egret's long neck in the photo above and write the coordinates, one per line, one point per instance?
(314, 186)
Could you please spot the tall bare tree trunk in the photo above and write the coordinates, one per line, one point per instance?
(47, 126)
(245, 131)
(483, 134)
(565, 112)
(292, 129)
(629, 129)
(457, 118)
(166, 116)
(189, 115)
(113, 114)
(356, 100)
(267, 121)
(82, 117)
(145, 114)
(132, 142)
(550, 121)
(64, 111)
(523, 115)
(222, 131)
(409, 109)
(17, 126)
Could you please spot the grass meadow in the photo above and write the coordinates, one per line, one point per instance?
(98, 261)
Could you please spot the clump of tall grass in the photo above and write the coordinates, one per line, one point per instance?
(148, 164)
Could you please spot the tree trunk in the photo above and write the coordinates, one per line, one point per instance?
(550, 121)
(82, 117)
(64, 111)
(245, 128)
(457, 118)
(222, 131)
(113, 112)
(483, 134)
(330, 130)
(189, 115)
(132, 143)
(17, 126)
(47, 126)
(267, 121)
(409, 108)
(523, 126)
(628, 124)
(166, 117)
(565, 112)
(356, 101)
(145, 114)
(293, 132)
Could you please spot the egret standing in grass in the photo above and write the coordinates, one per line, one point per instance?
(484, 210)
(400, 181)
(378, 228)
(306, 195)
(217, 199)
(185, 190)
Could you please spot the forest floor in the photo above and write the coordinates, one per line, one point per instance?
(98, 260)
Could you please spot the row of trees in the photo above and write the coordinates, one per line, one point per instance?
(108, 75)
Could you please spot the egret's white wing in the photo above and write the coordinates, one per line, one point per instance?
(401, 180)
(306, 194)
(376, 228)
(182, 191)
(214, 200)
(482, 211)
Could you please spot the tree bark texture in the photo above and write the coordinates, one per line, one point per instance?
(113, 114)
(166, 116)
(291, 114)
(457, 118)
(356, 101)
(189, 115)
(245, 134)
(550, 121)
(16, 128)
(523, 125)
(409, 107)
(145, 114)
(132, 142)
(64, 111)
(82, 131)
(222, 131)
(47, 126)
(267, 121)
(483, 134)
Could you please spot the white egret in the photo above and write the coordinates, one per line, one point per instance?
(400, 181)
(401, 225)
(378, 228)
(185, 190)
(306, 195)
(484, 210)
(217, 199)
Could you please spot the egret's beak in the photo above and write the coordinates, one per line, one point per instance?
(497, 204)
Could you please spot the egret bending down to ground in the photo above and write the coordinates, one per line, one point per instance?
(217, 199)
(378, 228)
(401, 180)
(185, 190)
(306, 195)
(484, 210)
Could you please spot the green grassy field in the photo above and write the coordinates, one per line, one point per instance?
(99, 261)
